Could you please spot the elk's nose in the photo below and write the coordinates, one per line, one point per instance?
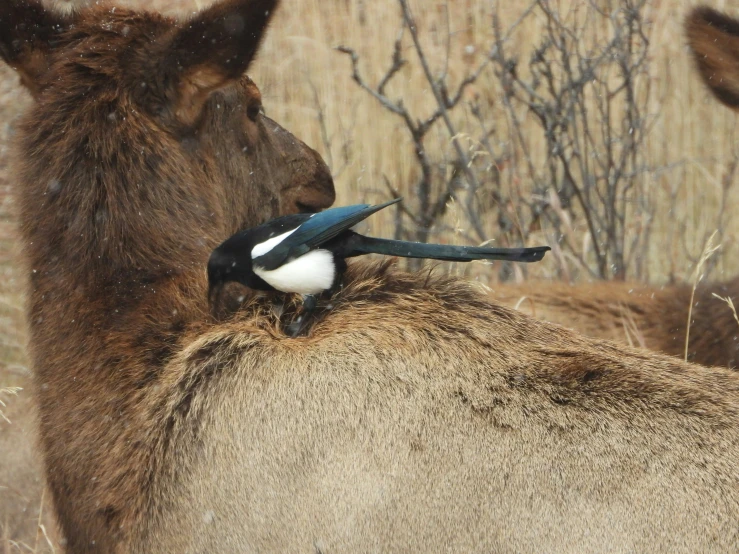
(324, 193)
(313, 189)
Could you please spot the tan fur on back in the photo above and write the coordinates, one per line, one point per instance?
(418, 414)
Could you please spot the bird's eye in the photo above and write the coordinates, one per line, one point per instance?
(253, 111)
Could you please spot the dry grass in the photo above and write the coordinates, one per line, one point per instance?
(299, 72)
(307, 87)
(698, 274)
(730, 303)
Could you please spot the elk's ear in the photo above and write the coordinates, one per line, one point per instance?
(714, 40)
(214, 49)
(28, 34)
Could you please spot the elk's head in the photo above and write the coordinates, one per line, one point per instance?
(147, 130)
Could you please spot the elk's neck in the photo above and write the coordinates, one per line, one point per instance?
(116, 244)
(116, 224)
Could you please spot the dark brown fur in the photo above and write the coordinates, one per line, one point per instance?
(145, 149)
(657, 318)
(416, 416)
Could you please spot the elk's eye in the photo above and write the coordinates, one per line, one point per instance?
(253, 111)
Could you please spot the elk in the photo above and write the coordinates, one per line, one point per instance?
(173, 129)
(657, 317)
(416, 415)
(639, 315)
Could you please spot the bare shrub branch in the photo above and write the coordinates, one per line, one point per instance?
(582, 99)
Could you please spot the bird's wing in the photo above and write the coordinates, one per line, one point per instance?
(317, 230)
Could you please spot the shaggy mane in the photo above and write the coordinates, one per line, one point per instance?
(366, 284)
(433, 309)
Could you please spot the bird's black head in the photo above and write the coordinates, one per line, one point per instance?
(231, 262)
(221, 268)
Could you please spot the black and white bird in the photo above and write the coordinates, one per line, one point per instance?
(305, 253)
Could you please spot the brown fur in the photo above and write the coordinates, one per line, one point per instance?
(144, 150)
(416, 416)
(714, 40)
(639, 315)
(651, 317)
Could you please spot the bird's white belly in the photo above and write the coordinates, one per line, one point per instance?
(311, 273)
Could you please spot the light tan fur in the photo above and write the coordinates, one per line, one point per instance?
(419, 416)
(416, 416)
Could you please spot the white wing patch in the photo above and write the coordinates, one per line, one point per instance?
(311, 273)
(264, 247)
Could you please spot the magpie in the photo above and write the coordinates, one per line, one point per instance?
(305, 253)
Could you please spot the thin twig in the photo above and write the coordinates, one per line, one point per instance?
(443, 104)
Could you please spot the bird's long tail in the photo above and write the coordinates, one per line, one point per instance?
(368, 245)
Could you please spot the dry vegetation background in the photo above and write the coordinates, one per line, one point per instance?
(585, 127)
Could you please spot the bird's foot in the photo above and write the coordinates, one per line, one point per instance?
(310, 302)
(296, 326)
